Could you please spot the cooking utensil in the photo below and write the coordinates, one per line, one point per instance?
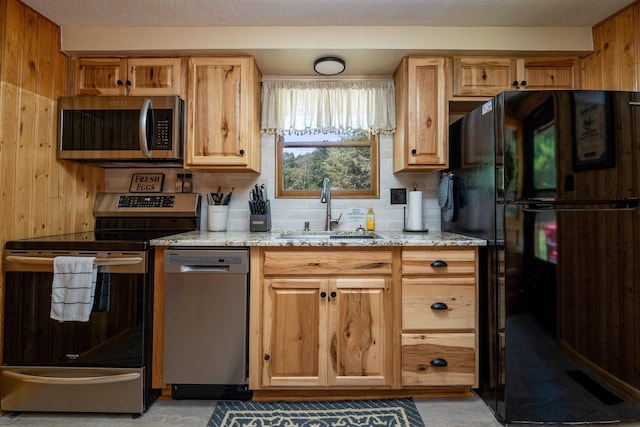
(258, 200)
(228, 198)
(218, 198)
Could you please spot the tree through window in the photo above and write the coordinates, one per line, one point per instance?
(350, 162)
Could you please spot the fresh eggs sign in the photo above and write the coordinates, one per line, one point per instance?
(146, 183)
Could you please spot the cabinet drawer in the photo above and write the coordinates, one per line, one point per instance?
(325, 263)
(439, 304)
(439, 261)
(423, 353)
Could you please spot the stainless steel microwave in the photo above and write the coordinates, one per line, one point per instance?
(122, 131)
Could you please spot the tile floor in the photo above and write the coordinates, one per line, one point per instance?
(458, 412)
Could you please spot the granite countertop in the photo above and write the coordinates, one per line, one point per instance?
(273, 238)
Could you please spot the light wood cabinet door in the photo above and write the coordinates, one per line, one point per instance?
(320, 333)
(128, 76)
(483, 76)
(488, 76)
(100, 76)
(223, 114)
(155, 76)
(420, 141)
(542, 74)
(294, 344)
(359, 351)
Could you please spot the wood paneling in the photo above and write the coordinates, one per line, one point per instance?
(615, 64)
(39, 195)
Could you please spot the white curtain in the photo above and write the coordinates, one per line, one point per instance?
(340, 106)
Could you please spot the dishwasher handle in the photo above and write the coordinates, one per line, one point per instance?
(217, 261)
(204, 269)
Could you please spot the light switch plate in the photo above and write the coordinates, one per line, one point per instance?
(398, 196)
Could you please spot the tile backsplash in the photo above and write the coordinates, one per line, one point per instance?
(291, 214)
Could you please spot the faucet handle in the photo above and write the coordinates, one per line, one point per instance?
(335, 221)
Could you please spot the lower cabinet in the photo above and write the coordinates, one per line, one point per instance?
(325, 332)
(395, 320)
(439, 317)
(324, 318)
(438, 359)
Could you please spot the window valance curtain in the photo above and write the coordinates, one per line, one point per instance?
(314, 106)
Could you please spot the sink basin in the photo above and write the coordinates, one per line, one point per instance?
(328, 235)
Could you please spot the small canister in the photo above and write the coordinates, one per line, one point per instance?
(179, 181)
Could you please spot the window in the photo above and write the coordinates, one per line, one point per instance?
(349, 161)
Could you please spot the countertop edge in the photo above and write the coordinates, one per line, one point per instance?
(273, 239)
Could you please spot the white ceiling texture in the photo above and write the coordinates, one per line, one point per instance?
(323, 19)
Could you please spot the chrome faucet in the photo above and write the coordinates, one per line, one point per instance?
(325, 197)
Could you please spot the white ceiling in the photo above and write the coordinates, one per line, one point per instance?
(325, 13)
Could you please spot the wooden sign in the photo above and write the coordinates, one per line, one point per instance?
(146, 183)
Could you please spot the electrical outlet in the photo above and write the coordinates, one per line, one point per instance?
(398, 196)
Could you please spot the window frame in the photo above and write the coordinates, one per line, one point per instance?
(373, 193)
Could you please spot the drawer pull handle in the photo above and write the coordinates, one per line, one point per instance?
(438, 263)
(439, 362)
(439, 306)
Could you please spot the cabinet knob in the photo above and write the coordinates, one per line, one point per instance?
(439, 306)
(439, 362)
(323, 294)
(414, 151)
(119, 82)
(484, 76)
(242, 152)
(523, 83)
(334, 294)
(267, 357)
(515, 83)
(438, 263)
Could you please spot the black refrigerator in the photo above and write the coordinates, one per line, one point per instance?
(551, 179)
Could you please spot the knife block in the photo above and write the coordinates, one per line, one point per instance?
(261, 222)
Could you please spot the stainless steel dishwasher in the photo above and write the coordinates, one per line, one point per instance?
(206, 322)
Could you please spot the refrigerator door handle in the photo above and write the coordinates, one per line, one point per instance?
(541, 205)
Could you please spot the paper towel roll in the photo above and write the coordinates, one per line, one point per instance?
(414, 214)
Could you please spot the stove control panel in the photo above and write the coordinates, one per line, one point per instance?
(147, 205)
(136, 201)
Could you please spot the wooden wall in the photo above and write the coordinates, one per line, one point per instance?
(38, 195)
(615, 63)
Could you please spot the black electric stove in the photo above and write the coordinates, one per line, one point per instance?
(103, 364)
(126, 221)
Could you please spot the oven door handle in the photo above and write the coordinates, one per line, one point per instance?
(103, 379)
(49, 261)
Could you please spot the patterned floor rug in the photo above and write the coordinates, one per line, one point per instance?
(350, 413)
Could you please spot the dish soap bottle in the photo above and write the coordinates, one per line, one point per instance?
(371, 220)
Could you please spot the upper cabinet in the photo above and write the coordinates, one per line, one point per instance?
(128, 76)
(223, 114)
(488, 76)
(420, 142)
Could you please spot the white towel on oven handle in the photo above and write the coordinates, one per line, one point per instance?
(73, 288)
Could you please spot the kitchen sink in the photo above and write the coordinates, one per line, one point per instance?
(328, 235)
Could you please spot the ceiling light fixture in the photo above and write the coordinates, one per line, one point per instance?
(328, 66)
